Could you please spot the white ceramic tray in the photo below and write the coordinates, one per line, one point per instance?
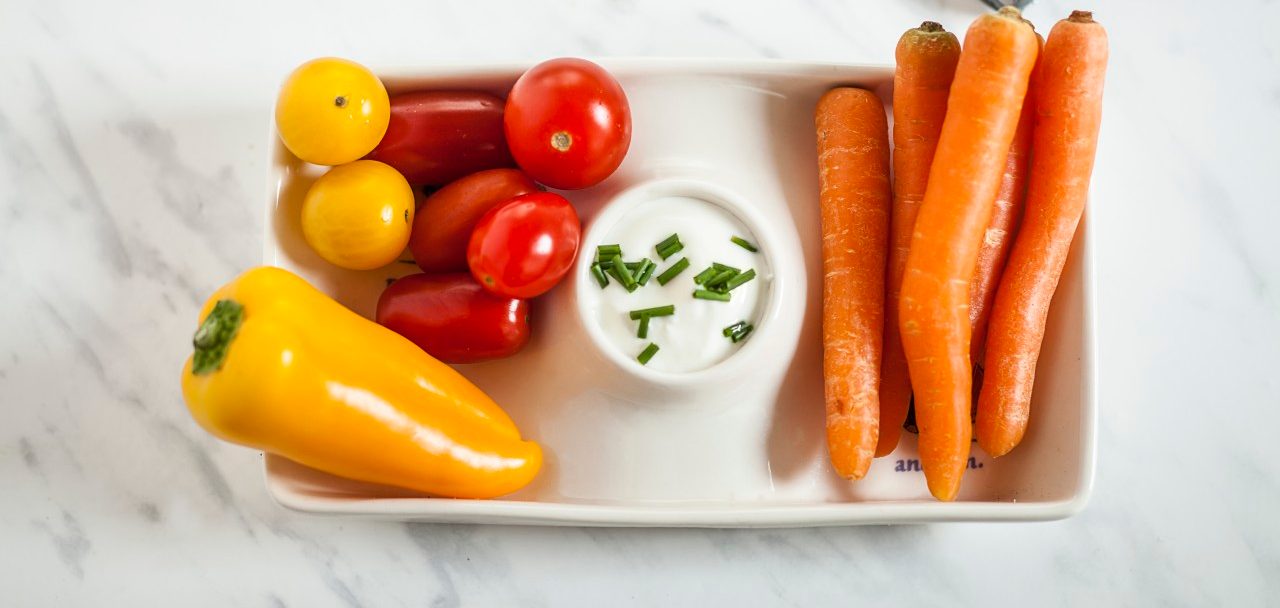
(624, 450)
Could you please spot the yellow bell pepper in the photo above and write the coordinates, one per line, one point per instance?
(281, 367)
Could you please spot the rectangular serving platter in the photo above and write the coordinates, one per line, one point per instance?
(622, 454)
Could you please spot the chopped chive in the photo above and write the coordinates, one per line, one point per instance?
(740, 279)
(644, 328)
(733, 329)
(741, 242)
(634, 267)
(646, 272)
(667, 242)
(632, 287)
(669, 246)
(673, 270)
(604, 252)
(670, 250)
(706, 274)
(723, 267)
(613, 272)
(656, 311)
(703, 294)
(742, 334)
(624, 273)
(720, 278)
(599, 275)
(647, 353)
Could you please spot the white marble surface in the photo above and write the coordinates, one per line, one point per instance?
(131, 184)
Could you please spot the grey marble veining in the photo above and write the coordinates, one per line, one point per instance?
(131, 180)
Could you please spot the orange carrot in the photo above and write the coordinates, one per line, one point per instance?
(982, 115)
(1068, 115)
(998, 239)
(853, 171)
(927, 58)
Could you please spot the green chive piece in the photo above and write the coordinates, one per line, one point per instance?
(669, 251)
(673, 271)
(741, 242)
(733, 329)
(656, 311)
(742, 334)
(644, 328)
(703, 294)
(648, 353)
(646, 272)
(669, 246)
(667, 242)
(604, 252)
(599, 275)
(722, 267)
(720, 279)
(635, 267)
(611, 271)
(706, 274)
(740, 279)
(624, 273)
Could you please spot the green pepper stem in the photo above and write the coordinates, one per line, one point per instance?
(213, 337)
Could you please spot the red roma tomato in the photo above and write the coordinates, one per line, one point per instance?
(523, 247)
(454, 319)
(568, 123)
(443, 224)
(438, 136)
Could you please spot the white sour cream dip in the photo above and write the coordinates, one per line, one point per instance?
(691, 339)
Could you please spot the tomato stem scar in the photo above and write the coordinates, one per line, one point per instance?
(561, 141)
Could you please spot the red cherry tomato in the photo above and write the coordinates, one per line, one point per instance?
(435, 137)
(453, 318)
(523, 247)
(443, 224)
(568, 123)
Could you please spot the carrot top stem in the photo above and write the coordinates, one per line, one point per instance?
(1081, 17)
(931, 27)
(1011, 12)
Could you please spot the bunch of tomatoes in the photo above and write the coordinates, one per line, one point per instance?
(488, 237)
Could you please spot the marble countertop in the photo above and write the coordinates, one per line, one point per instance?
(132, 169)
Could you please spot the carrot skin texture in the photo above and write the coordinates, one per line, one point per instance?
(982, 113)
(1065, 139)
(926, 63)
(997, 241)
(853, 163)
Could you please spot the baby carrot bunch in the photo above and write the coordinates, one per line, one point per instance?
(967, 273)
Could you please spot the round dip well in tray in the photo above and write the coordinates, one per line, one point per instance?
(691, 339)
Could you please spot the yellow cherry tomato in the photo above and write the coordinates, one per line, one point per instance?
(332, 111)
(358, 215)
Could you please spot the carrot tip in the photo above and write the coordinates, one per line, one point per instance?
(995, 450)
(1081, 17)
